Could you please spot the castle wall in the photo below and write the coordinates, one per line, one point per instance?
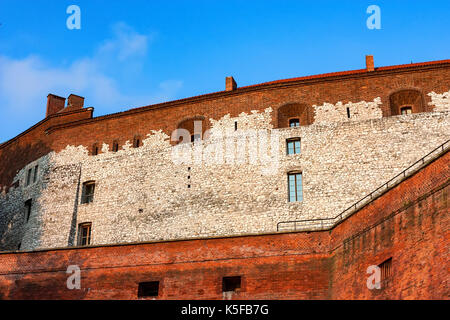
(409, 223)
(232, 187)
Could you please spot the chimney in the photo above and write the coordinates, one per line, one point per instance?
(369, 63)
(75, 102)
(230, 84)
(54, 104)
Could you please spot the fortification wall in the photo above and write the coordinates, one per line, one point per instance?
(232, 187)
(409, 224)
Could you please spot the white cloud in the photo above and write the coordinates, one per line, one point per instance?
(25, 83)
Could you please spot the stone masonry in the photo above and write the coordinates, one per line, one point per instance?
(233, 182)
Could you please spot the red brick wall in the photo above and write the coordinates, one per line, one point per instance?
(408, 223)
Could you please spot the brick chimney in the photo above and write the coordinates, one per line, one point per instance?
(75, 102)
(230, 84)
(54, 104)
(369, 63)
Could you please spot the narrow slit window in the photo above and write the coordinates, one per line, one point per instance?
(95, 150)
(29, 172)
(136, 142)
(84, 234)
(232, 284)
(293, 146)
(115, 146)
(148, 289)
(235, 126)
(28, 205)
(294, 122)
(348, 112)
(295, 187)
(88, 192)
(36, 168)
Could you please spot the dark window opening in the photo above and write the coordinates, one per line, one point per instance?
(235, 126)
(406, 110)
(293, 145)
(20, 244)
(36, 168)
(294, 123)
(115, 146)
(386, 269)
(148, 289)
(195, 137)
(94, 150)
(84, 234)
(88, 192)
(231, 284)
(28, 205)
(295, 187)
(348, 112)
(136, 142)
(29, 176)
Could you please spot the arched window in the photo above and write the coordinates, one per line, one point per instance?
(406, 102)
(294, 115)
(195, 126)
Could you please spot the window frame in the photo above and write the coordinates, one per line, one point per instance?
(298, 191)
(407, 108)
(155, 291)
(88, 198)
(81, 237)
(293, 140)
(297, 120)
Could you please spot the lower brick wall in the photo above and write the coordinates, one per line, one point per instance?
(408, 223)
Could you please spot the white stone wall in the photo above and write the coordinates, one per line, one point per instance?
(142, 194)
(441, 102)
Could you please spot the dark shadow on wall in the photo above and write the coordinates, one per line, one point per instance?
(73, 225)
(13, 225)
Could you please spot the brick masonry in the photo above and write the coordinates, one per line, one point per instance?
(142, 194)
(409, 224)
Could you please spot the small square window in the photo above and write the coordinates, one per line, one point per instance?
(148, 289)
(294, 123)
(406, 110)
(231, 284)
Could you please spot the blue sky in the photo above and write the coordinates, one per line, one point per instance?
(134, 53)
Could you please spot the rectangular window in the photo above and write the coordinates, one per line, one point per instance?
(386, 269)
(148, 289)
(29, 176)
(348, 112)
(28, 205)
(293, 146)
(84, 234)
(294, 123)
(88, 192)
(36, 168)
(115, 146)
(295, 187)
(406, 110)
(231, 284)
